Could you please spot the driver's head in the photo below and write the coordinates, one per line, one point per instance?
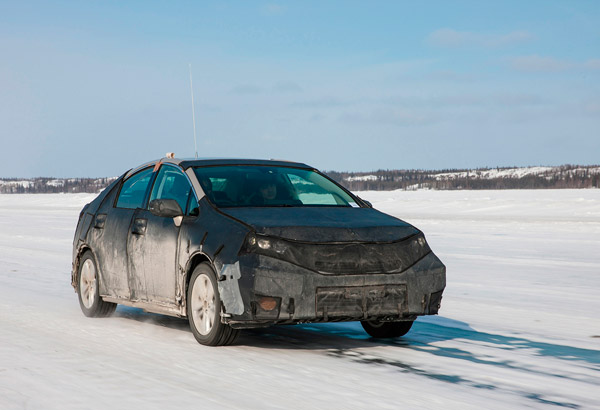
(268, 190)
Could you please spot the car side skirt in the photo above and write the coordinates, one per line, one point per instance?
(152, 307)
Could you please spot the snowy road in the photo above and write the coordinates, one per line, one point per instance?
(519, 325)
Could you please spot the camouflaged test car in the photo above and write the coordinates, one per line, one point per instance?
(233, 244)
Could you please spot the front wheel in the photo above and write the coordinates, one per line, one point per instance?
(383, 330)
(204, 309)
(88, 290)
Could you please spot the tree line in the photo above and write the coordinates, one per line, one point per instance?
(52, 185)
(565, 176)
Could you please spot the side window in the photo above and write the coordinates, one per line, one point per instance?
(172, 184)
(134, 189)
(192, 206)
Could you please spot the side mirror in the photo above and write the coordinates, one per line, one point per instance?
(370, 205)
(167, 208)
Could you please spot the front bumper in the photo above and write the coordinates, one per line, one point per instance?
(303, 295)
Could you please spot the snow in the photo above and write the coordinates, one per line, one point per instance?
(362, 178)
(23, 183)
(496, 173)
(56, 182)
(515, 173)
(518, 327)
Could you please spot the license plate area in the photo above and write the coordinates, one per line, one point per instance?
(361, 302)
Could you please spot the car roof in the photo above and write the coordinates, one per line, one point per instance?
(206, 162)
(186, 163)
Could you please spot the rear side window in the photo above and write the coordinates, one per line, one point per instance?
(134, 190)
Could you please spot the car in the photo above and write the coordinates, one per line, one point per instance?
(231, 244)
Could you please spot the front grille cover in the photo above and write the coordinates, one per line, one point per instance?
(361, 302)
(352, 258)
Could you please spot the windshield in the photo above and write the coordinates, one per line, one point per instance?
(265, 186)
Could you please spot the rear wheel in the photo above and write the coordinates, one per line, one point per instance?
(378, 329)
(204, 309)
(88, 290)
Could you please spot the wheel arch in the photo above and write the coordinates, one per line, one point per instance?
(195, 260)
(74, 276)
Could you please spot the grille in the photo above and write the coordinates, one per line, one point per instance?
(357, 258)
(361, 301)
(351, 258)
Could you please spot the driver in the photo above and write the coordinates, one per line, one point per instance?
(265, 192)
(268, 190)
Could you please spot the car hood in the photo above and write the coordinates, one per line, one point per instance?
(324, 224)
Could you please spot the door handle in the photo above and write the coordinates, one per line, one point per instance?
(139, 226)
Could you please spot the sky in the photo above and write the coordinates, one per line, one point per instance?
(93, 88)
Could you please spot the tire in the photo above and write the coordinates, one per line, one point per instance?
(88, 290)
(204, 309)
(383, 330)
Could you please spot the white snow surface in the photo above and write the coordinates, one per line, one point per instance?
(519, 325)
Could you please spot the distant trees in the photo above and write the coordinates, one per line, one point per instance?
(565, 176)
(53, 185)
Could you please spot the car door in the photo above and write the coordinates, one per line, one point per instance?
(153, 242)
(115, 224)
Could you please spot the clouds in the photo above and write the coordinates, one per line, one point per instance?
(280, 87)
(272, 9)
(287, 72)
(532, 63)
(324, 101)
(447, 37)
(386, 116)
(592, 64)
(483, 100)
(537, 64)
(592, 107)
(287, 87)
(246, 89)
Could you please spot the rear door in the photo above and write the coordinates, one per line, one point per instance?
(153, 242)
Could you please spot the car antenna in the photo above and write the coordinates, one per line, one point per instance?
(193, 116)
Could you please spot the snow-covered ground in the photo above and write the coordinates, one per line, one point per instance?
(518, 328)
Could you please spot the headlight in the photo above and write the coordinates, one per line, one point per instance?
(266, 245)
(419, 247)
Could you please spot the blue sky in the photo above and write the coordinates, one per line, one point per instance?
(93, 88)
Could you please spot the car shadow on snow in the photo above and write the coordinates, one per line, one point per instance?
(423, 333)
(423, 336)
(348, 341)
